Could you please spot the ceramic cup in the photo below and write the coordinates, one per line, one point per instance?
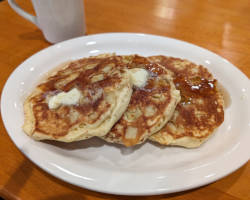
(58, 19)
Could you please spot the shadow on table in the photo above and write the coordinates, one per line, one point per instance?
(34, 35)
(14, 185)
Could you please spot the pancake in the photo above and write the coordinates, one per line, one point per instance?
(84, 99)
(200, 110)
(150, 107)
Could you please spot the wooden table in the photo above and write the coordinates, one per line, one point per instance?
(222, 26)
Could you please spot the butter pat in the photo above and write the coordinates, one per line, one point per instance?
(139, 77)
(71, 97)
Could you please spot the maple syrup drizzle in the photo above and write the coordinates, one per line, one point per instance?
(194, 88)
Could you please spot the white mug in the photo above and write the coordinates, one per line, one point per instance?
(58, 19)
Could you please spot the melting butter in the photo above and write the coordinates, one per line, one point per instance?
(139, 76)
(71, 97)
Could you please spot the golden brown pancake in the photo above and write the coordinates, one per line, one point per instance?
(150, 107)
(200, 110)
(104, 87)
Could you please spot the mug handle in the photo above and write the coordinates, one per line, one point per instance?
(22, 13)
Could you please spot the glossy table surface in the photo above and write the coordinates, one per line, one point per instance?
(221, 26)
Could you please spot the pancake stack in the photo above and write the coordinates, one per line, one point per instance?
(126, 100)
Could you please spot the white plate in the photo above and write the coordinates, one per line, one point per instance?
(146, 169)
